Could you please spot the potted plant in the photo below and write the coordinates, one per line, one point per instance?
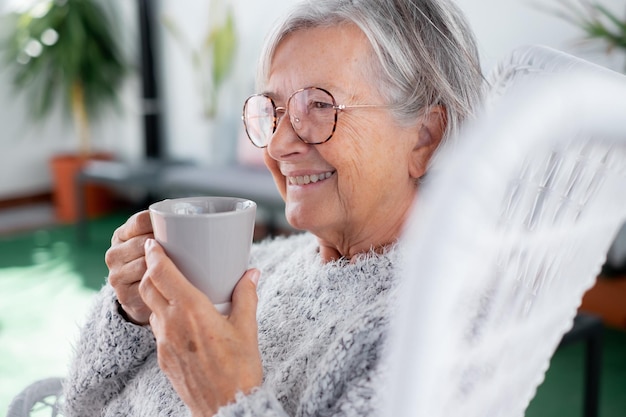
(66, 51)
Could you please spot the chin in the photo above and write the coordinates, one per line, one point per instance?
(298, 218)
(294, 221)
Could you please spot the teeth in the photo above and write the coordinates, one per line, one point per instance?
(307, 179)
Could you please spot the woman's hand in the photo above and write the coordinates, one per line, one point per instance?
(207, 357)
(127, 265)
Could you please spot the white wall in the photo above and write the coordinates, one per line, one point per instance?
(500, 26)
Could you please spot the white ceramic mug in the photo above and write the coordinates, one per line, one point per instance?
(208, 239)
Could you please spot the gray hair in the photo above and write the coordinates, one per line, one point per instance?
(426, 52)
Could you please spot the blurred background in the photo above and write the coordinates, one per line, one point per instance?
(167, 123)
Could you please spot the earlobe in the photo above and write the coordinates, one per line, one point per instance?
(431, 129)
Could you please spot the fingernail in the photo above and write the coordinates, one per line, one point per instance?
(254, 277)
(149, 244)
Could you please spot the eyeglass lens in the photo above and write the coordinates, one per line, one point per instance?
(312, 114)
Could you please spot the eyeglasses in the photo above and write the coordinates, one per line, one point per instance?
(312, 114)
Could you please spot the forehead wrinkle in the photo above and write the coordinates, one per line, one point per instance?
(333, 89)
(348, 68)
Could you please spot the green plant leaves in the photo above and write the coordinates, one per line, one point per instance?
(224, 40)
(213, 59)
(595, 20)
(617, 36)
(84, 50)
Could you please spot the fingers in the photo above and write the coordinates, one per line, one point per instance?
(123, 252)
(164, 284)
(165, 277)
(125, 257)
(245, 300)
(128, 240)
(136, 311)
(126, 263)
(151, 295)
(126, 274)
(137, 225)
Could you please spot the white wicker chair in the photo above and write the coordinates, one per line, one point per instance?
(41, 398)
(507, 237)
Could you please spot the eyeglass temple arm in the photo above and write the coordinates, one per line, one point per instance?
(356, 106)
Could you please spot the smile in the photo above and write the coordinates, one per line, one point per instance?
(308, 179)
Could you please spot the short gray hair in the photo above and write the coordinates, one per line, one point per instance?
(426, 52)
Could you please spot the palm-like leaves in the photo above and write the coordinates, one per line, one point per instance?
(65, 49)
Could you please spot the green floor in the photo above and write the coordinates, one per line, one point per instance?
(47, 282)
(561, 392)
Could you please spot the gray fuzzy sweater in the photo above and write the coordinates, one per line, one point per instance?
(322, 328)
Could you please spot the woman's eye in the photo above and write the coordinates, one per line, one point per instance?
(321, 105)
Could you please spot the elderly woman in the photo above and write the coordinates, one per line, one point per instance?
(356, 97)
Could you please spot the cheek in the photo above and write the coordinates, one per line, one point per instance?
(361, 153)
(353, 179)
(272, 165)
(369, 165)
(365, 140)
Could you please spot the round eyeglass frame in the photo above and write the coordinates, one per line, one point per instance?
(336, 107)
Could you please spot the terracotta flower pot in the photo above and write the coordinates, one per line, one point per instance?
(99, 199)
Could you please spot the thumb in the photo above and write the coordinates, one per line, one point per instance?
(245, 299)
(165, 276)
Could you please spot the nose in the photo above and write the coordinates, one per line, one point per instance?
(285, 143)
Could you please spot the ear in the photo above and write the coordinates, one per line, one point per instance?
(431, 128)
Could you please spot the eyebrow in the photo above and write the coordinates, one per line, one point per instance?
(269, 94)
(334, 89)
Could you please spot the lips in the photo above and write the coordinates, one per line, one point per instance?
(309, 179)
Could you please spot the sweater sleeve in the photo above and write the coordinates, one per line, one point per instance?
(260, 402)
(108, 353)
(357, 398)
(346, 382)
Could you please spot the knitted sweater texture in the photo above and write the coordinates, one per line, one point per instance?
(322, 328)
